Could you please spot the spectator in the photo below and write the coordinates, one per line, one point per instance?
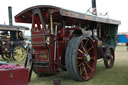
(127, 46)
(29, 49)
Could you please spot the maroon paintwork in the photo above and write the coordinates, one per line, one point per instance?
(26, 15)
(50, 48)
(14, 76)
(49, 64)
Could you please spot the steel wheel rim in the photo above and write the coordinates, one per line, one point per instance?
(86, 59)
(19, 53)
(110, 57)
(5, 57)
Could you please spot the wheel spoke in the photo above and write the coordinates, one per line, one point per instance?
(111, 57)
(90, 49)
(80, 51)
(90, 67)
(80, 64)
(82, 45)
(86, 43)
(79, 54)
(85, 71)
(79, 57)
(81, 71)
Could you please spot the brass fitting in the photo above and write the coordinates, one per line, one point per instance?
(51, 23)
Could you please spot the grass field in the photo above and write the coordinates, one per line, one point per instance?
(118, 75)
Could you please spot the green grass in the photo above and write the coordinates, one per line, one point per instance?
(118, 75)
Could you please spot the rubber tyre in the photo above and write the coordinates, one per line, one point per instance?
(6, 56)
(71, 58)
(109, 57)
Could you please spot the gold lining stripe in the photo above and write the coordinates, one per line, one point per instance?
(39, 35)
(38, 43)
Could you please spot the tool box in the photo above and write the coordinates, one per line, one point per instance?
(14, 76)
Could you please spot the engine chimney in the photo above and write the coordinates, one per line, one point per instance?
(94, 11)
(10, 15)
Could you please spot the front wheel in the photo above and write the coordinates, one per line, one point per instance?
(19, 53)
(80, 58)
(109, 57)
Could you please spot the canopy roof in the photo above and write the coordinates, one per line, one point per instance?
(26, 15)
(14, 27)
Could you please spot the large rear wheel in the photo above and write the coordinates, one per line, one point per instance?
(6, 56)
(80, 58)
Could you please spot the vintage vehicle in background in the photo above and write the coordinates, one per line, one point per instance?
(12, 40)
(123, 38)
(69, 40)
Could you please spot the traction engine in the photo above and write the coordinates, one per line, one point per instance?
(68, 40)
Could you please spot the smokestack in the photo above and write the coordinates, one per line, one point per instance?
(94, 11)
(10, 15)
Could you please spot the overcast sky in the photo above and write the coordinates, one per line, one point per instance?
(117, 9)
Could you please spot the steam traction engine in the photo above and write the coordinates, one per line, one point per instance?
(68, 40)
(12, 42)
